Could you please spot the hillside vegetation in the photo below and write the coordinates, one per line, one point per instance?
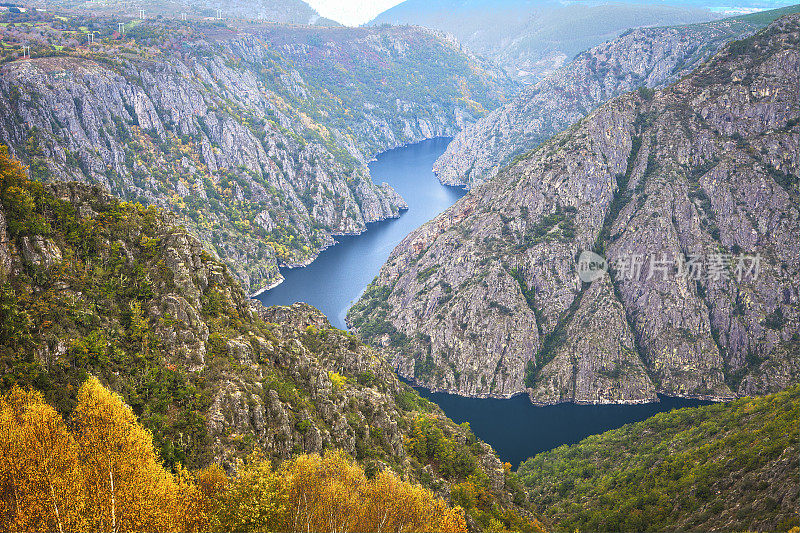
(92, 286)
(726, 467)
(98, 471)
(281, 11)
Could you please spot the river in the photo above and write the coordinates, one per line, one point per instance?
(334, 281)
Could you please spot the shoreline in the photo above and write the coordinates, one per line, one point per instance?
(334, 242)
(308, 262)
(491, 396)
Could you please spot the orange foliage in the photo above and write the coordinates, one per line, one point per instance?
(331, 493)
(102, 474)
(39, 468)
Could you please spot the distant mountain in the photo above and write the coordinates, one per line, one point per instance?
(531, 39)
(649, 57)
(281, 11)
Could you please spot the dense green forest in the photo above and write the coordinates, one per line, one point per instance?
(728, 467)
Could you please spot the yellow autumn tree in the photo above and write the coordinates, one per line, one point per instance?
(198, 494)
(391, 504)
(40, 479)
(104, 475)
(126, 486)
(254, 501)
(324, 493)
(330, 493)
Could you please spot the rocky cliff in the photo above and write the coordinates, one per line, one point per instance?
(644, 57)
(257, 140)
(92, 285)
(690, 193)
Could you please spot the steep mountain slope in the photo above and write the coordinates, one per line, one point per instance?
(549, 39)
(646, 57)
(730, 467)
(92, 285)
(531, 39)
(691, 193)
(257, 139)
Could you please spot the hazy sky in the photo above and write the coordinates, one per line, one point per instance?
(351, 12)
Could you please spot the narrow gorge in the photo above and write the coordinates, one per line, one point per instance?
(485, 299)
(238, 132)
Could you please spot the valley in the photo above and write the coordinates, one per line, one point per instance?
(484, 301)
(518, 430)
(261, 271)
(514, 427)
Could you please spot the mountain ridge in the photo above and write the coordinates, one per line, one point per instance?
(264, 11)
(530, 40)
(644, 57)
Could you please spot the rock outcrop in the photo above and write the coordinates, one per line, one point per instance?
(690, 193)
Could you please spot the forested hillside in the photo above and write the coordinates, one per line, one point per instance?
(92, 286)
(256, 136)
(730, 467)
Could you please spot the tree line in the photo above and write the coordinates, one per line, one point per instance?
(99, 471)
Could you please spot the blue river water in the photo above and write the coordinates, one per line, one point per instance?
(334, 281)
(517, 429)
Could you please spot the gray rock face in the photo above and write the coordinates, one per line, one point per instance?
(645, 57)
(239, 137)
(597, 362)
(240, 408)
(486, 300)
